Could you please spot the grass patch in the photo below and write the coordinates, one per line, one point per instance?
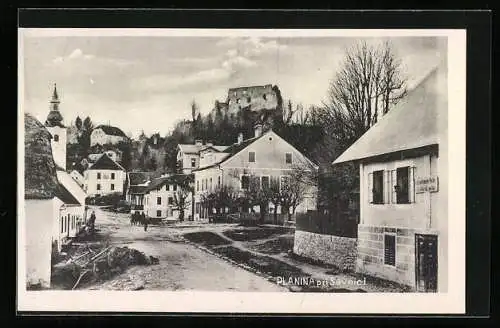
(255, 233)
(206, 238)
(282, 244)
(273, 267)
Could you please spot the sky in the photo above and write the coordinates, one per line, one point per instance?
(145, 83)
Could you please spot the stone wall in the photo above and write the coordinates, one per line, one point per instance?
(339, 251)
(371, 254)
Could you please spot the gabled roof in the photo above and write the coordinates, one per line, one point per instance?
(236, 148)
(106, 163)
(195, 149)
(65, 196)
(40, 177)
(111, 130)
(411, 124)
(136, 178)
(137, 189)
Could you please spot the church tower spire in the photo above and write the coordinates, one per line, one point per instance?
(54, 118)
(57, 130)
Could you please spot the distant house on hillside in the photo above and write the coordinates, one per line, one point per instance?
(104, 177)
(189, 156)
(107, 134)
(266, 157)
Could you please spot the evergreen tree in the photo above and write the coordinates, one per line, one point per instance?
(78, 123)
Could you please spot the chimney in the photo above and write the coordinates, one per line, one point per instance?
(240, 138)
(258, 130)
(198, 142)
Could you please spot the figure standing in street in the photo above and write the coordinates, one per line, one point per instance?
(145, 222)
(92, 222)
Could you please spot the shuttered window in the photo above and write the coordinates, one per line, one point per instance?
(378, 187)
(390, 250)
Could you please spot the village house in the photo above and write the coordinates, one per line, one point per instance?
(51, 211)
(107, 134)
(189, 156)
(135, 189)
(266, 156)
(156, 197)
(104, 177)
(402, 234)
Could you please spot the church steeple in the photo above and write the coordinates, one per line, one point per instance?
(54, 118)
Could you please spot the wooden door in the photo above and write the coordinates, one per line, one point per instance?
(426, 264)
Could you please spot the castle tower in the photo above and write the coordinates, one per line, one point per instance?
(58, 131)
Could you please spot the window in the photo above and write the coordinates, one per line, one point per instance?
(245, 181)
(56, 137)
(158, 200)
(175, 187)
(210, 183)
(218, 182)
(193, 162)
(251, 157)
(402, 187)
(284, 182)
(170, 200)
(112, 186)
(377, 191)
(98, 186)
(390, 249)
(249, 99)
(98, 175)
(264, 96)
(265, 182)
(158, 213)
(112, 176)
(288, 158)
(62, 225)
(197, 185)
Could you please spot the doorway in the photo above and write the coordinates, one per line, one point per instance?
(426, 264)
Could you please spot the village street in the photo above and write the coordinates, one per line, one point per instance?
(181, 266)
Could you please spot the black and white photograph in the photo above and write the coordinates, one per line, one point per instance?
(241, 169)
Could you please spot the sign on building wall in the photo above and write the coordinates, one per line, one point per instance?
(426, 184)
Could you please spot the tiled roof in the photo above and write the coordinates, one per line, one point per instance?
(65, 196)
(136, 178)
(106, 163)
(137, 189)
(195, 149)
(409, 125)
(232, 150)
(40, 177)
(111, 130)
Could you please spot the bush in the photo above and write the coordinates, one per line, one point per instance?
(317, 222)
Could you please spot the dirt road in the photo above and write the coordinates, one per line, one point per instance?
(182, 266)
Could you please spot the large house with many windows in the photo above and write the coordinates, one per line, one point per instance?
(266, 157)
(104, 177)
(402, 234)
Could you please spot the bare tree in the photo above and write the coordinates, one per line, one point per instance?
(295, 186)
(181, 195)
(368, 83)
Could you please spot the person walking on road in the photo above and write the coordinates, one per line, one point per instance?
(92, 222)
(145, 222)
